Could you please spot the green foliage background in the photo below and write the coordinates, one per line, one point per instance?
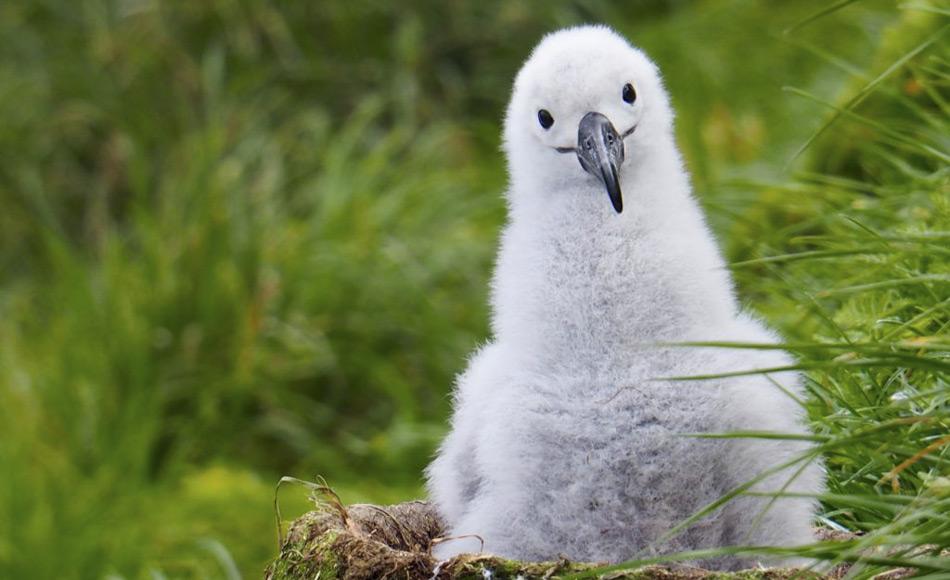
(243, 239)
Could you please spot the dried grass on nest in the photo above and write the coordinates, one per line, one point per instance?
(367, 542)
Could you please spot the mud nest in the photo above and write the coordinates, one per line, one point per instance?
(368, 542)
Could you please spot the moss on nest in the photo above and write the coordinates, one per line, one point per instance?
(367, 542)
(359, 542)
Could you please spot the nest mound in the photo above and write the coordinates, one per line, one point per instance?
(368, 542)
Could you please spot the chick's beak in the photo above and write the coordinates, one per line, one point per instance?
(600, 151)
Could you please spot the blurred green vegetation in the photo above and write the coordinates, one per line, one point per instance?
(243, 239)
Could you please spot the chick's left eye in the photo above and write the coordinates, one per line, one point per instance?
(545, 118)
(629, 94)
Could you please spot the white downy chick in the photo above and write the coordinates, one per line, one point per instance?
(562, 441)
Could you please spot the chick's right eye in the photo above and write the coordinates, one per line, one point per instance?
(545, 118)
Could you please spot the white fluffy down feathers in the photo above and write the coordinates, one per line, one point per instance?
(562, 440)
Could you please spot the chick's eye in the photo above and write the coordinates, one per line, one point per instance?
(545, 118)
(629, 94)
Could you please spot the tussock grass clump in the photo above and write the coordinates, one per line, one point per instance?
(853, 266)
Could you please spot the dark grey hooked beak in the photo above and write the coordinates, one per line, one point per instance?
(600, 151)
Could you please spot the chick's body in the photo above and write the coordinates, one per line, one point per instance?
(563, 442)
